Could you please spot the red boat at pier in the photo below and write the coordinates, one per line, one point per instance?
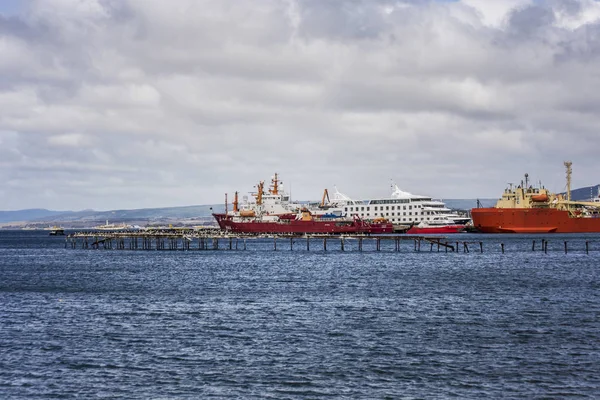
(438, 225)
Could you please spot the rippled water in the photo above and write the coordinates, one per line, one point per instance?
(298, 324)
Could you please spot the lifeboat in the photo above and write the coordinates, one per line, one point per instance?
(540, 198)
(247, 213)
(287, 216)
(306, 215)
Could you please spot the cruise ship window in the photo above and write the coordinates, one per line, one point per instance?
(410, 213)
(393, 214)
(387, 214)
(404, 207)
(362, 209)
(410, 207)
(404, 213)
(393, 207)
(375, 208)
(387, 207)
(345, 208)
(368, 208)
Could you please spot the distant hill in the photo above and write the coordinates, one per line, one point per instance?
(584, 193)
(467, 204)
(88, 218)
(139, 214)
(27, 215)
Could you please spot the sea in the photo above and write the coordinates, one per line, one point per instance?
(301, 324)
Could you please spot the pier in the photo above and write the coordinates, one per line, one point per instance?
(216, 239)
(220, 240)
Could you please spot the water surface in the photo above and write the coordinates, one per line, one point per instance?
(298, 324)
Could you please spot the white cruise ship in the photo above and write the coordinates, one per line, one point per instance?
(401, 208)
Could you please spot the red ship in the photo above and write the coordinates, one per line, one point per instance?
(301, 226)
(525, 209)
(438, 225)
(274, 213)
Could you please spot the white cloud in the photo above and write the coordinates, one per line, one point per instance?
(135, 103)
(67, 140)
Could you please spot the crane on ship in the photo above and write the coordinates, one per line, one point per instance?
(260, 189)
(579, 205)
(325, 196)
(568, 165)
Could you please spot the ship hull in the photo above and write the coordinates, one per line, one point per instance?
(436, 229)
(531, 220)
(301, 227)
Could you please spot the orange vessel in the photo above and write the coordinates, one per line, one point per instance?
(524, 209)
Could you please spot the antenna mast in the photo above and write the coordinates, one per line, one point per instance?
(569, 171)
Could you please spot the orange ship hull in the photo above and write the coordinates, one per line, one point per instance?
(531, 220)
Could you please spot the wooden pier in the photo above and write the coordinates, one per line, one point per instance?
(219, 240)
(215, 239)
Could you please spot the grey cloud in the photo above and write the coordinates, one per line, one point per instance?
(345, 20)
(530, 20)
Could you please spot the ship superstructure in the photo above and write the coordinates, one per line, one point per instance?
(402, 208)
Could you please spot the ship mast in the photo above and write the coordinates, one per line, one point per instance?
(274, 185)
(569, 171)
(225, 203)
(235, 202)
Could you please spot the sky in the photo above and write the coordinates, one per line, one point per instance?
(110, 104)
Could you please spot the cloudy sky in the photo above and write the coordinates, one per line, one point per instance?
(147, 103)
